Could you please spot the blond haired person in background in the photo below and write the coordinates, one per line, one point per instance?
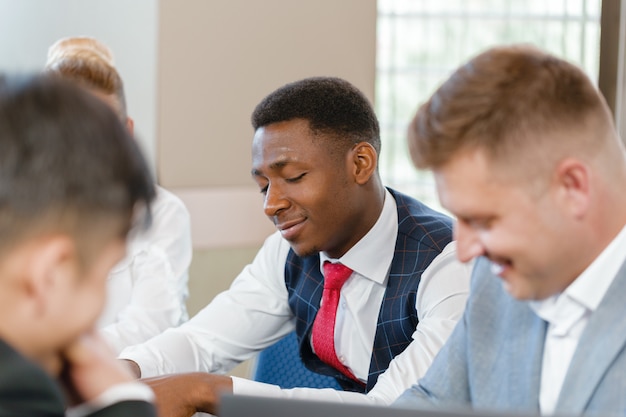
(147, 290)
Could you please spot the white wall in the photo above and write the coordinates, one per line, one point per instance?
(128, 27)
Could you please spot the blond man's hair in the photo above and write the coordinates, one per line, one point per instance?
(90, 63)
(517, 104)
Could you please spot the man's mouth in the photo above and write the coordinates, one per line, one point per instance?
(290, 229)
(499, 268)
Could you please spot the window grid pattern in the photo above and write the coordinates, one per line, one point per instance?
(420, 42)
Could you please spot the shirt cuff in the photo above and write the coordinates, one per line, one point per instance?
(147, 369)
(129, 391)
(242, 386)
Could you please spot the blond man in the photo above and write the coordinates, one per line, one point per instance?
(525, 154)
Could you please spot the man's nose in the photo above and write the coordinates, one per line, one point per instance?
(275, 201)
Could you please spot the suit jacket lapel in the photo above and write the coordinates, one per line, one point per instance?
(603, 338)
(508, 367)
(528, 360)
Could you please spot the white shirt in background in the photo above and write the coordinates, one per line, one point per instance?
(147, 290)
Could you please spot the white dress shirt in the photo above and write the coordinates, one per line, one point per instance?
(567, 315)
(147, 290)
(254, 313)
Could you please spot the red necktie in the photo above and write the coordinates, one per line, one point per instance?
(323, 333)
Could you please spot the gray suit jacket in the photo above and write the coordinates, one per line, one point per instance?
(493, 358)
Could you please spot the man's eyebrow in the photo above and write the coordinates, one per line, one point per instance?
(273, 166)
(281, 163)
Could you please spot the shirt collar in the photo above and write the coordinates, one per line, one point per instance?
(586, 292)
(372, 255)
(591, 286)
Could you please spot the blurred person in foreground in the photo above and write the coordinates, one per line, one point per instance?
(526, 155)
(72, 183)
(147, 290)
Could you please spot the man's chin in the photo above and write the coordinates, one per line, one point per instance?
(521, 292)
(302, 250)
(515, 291)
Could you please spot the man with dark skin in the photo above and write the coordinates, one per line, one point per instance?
(314, 157)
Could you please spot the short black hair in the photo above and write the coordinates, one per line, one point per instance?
(331, 105)
(66, 160)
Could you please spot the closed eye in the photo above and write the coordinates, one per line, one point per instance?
(296, 179)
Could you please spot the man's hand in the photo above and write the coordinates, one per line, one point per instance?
(91, 368)
(182, 395)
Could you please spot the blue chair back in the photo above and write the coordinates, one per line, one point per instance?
(280, 364)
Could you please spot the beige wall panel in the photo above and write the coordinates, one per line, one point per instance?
(212, 271)
(226, 217)
(217, 59)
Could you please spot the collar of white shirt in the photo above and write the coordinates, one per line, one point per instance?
(372, 255)
(585, 292)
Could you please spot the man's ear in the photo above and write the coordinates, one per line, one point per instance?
(573, 184)
(50, 262)
(364, 159)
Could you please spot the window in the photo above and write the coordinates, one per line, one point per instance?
(420, 42)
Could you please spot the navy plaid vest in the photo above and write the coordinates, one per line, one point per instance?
(422, 235)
